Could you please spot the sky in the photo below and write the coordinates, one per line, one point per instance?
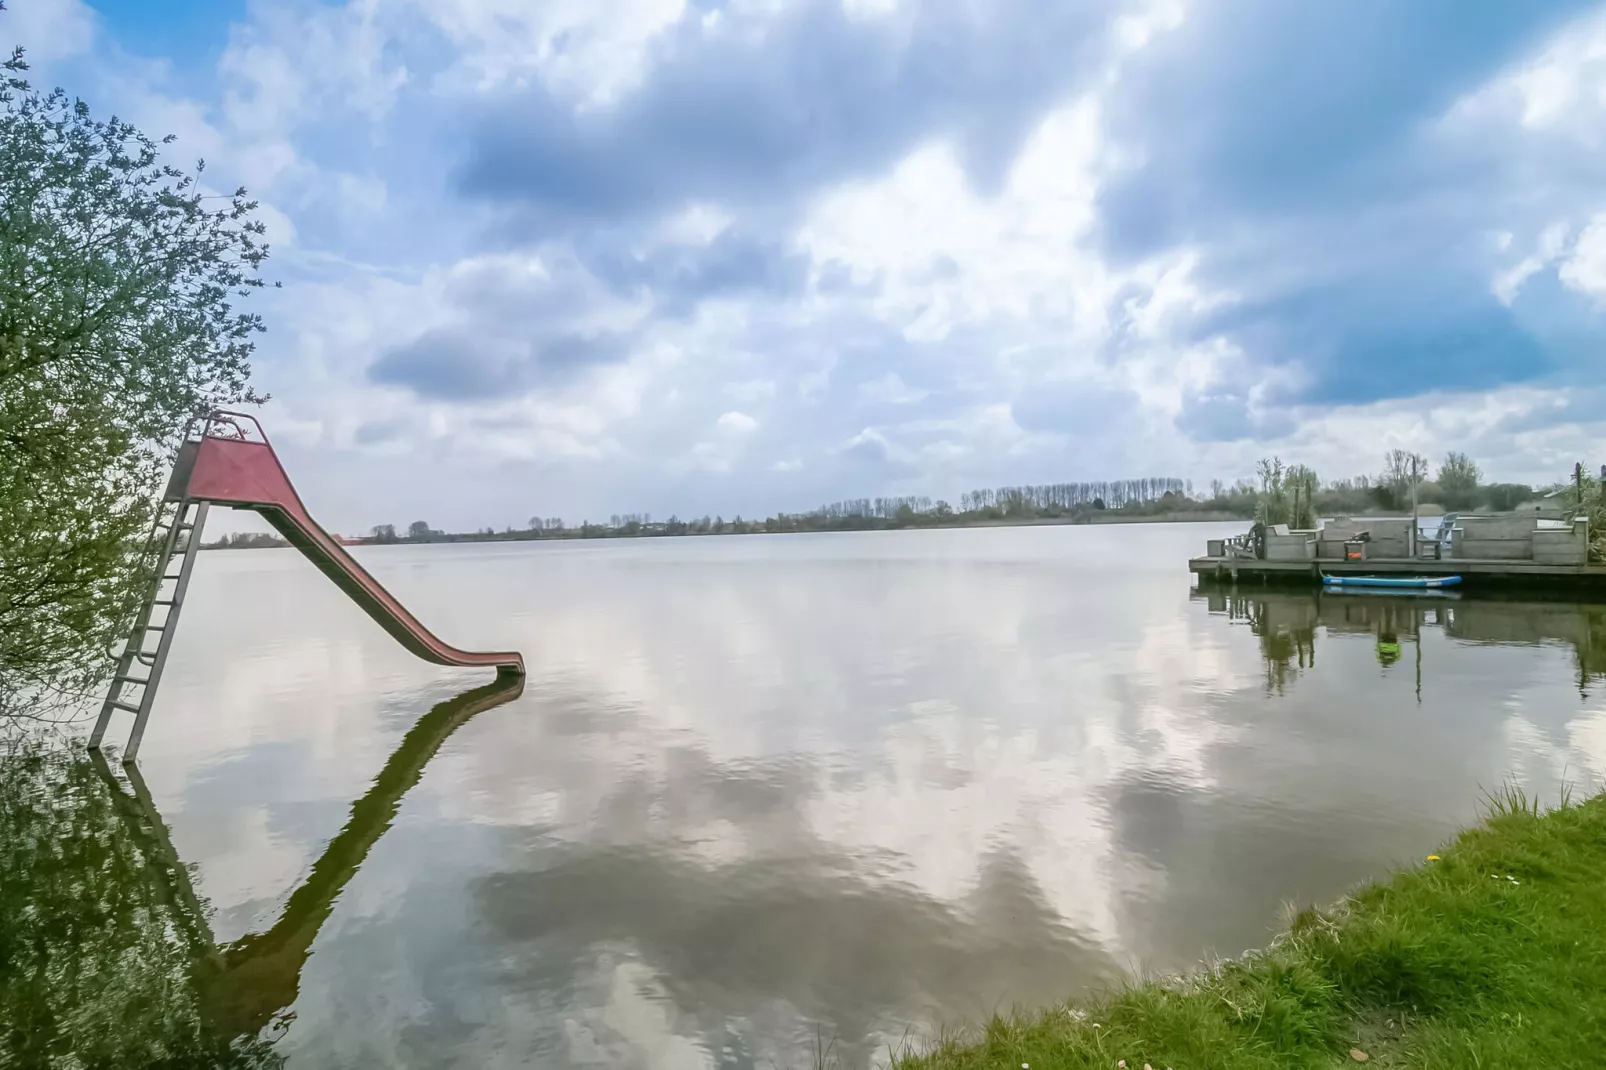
(585, 257)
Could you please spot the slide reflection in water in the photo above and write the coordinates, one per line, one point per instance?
(245, 985)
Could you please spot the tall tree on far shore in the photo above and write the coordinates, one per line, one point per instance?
(1403, 471)
(118, 279)
(1459, 477)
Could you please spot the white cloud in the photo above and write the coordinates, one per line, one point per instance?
(697, 224)
(950, 257)
(1584, 269)
(890, 389)
(751, 390)
(1020, 268)
(1133, 31)
(1507, 284)
(1561, 88)
(737, 422)
(593, 51)
(51, 30)
(287, 66)
(870, 9)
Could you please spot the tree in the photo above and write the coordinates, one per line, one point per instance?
(1504, 497)
(1287, 494)
(384, 532)
(1403, 471)
(419, 529)
(117, 327)
(1458, 480)
(1302, 485)
(1272, 504)
(1583, 498)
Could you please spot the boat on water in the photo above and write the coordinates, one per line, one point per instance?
(1442, 594)
(1408, 583)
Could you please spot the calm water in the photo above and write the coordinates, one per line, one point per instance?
(759, 791)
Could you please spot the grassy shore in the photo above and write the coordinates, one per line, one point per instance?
(1490, 954)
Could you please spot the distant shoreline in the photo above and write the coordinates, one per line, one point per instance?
(597, 531)
(1183, 517)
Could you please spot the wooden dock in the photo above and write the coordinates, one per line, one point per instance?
(1583, 579)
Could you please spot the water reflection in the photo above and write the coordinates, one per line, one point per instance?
(1287, 622)
(776, 946)
(759, 791)
(101, 959)
(107, 951)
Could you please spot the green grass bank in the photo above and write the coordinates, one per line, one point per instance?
(1491, 954)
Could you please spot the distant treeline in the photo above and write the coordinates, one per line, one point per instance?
(1127, 499)
(1295, 495)
(240, 540)
(1281, 494)
(1069, 496)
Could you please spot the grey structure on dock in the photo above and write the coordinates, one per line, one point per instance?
(1523, 547)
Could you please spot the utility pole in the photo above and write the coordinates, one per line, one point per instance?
(1416, 478)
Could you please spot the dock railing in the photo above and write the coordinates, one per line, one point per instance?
(1239, 546)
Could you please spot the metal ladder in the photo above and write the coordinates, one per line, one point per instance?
(177, 533)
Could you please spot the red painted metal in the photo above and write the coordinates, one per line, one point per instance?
(229, 466)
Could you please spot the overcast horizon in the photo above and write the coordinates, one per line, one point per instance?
(579, 258)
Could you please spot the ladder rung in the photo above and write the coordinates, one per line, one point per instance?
(131, 679)
(165, 602)
(125, 706)
(156, 627)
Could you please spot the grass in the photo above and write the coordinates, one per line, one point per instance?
(1491, 954)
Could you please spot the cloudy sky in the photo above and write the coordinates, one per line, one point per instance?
(580, 257)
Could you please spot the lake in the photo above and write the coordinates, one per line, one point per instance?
(762, 796)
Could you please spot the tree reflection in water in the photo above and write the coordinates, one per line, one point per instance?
(106, 954)
(1286, 624)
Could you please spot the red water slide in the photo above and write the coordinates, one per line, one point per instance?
(232, 463)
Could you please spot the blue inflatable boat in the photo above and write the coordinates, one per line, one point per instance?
(1411, 583)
